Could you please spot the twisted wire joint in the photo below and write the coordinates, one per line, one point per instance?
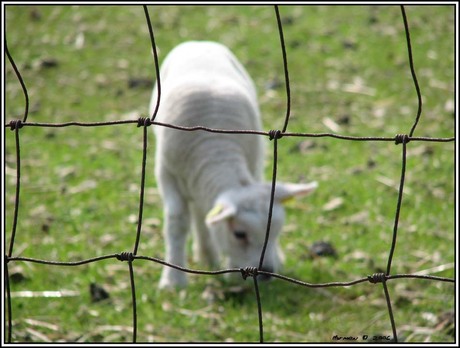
(144, 121)
(248, 272)
(15, 124)
(275, 134)
(377, 278)
(125, 256)
(401, 138)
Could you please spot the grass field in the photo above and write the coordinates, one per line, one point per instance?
(349, 75)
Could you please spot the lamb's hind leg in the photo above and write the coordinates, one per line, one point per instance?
(176, 225)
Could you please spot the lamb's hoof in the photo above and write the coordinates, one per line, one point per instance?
(168, 282)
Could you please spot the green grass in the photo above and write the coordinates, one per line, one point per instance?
(80, 186)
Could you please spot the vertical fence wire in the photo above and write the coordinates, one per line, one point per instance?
(404, 141)
(8, 300)
(395, 233)
(142, 123)
(14, 125)
(390, 311)
(412, 70)
(133, 297)
(259, 309)
(21, 81)
(285, 67)
(275, 135)
(17, 126)
(155, 57)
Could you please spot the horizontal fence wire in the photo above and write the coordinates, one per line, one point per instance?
(275, 135)
(141, 122)
(245, 272)
(147, 122)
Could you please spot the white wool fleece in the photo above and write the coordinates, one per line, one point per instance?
(211, 183)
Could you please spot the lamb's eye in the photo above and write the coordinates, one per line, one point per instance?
(241, 235)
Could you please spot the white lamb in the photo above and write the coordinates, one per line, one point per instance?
(212, 183)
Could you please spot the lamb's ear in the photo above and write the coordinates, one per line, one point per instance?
(286, 191)
(220, 211)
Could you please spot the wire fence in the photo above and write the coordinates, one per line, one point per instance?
(275, 136)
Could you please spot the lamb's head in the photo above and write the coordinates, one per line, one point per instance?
(238, 223)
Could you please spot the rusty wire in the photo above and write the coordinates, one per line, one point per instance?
(412, 70)
(140, 122)
(245, 272)
(130, 257)
(21, 81)
(285, 66)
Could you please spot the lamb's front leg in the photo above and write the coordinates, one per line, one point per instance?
(175, 234)
(176, 226)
